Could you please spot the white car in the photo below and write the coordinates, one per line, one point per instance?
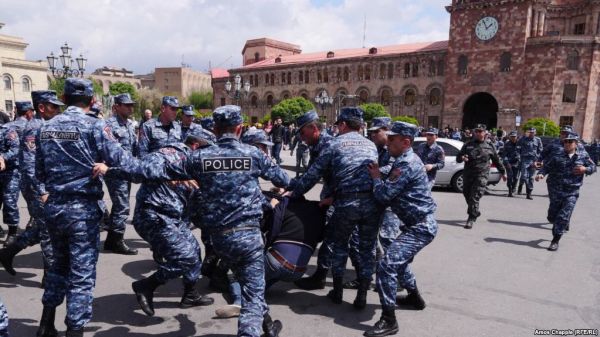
(451, 174)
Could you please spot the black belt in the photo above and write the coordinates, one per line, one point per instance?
(291, 267)
(231, 230)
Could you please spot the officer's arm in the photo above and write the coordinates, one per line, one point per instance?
(496, 160)
(271, 171)
(27, 164)
(441, 159)
(461, 153)
(386, 191)
(11, 156)
(590, 166)
(314, 173)
(143, 144)
(540, 149)
(40, 171)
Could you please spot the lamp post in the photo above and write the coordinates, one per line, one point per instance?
(323, 100)
(340, 100)
(235, 90)
(67, 63)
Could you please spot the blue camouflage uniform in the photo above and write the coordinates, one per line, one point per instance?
(9, 177)
(511, 158)
(19, 125)
(301, 153)
(68, 145)
(154, 135)
(3, 320)
(565, 190)
(119, 189)
(433, 154)
(530, 151)
(410, 199)
(232, 208)
(346, 158)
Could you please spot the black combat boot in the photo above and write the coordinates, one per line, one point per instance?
(361, 295)
(413, 299)
(192, 298)
(47, 328)
(7, 255)
(144, 293)
(2, 233)
(386, 326)
(354, 283)
(12, 235)
(30, 222)
(271, 328)
(470, 222)
(520, 189)
(316, 281)
(528, 191)
(554, 244)
(115, 243)
(335, 294)
(74, 332)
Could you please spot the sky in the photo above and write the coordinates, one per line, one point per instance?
(142, 35)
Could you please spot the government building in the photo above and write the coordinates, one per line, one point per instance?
(505, 61)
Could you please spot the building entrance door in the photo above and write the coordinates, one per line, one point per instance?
(480, 108)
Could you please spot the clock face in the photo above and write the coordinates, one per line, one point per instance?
(486, 28)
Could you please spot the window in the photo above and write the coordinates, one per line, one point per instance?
(8, 105)
(254, 101)
(301, 77)
(570, 93)
(579, 29)
(25, 84)
(256, 57)
(386, 97)
(270, 100)
(406, 69)
(449, 150)
(360, 72)
(282, 78)
(272, 79)
(363, 97)
(440, 68)
(304, 95)
(306, 77)
(289, 78)
(266, 79)
(368, 72)
(325, 75)
(346, 74)
(338, 74)
(435, 96)
(415, 69)
(505, 62)
(319, 76)
(382, 70)
(565, 121)
(433, 121)
(390, 71)
(432, 69)
(463, 63)
(573, 60)
(7, 82)
(223, 101)
(409, 97)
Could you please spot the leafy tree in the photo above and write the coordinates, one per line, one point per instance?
(291, 108)
(373, 110)
(124, 88)
(544, 126)
(149, 99)
(201, 100)
(265, 119)
(406, 119)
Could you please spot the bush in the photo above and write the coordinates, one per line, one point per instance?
(406, 119)
(373, 110)
(544, 126)
(290, 109)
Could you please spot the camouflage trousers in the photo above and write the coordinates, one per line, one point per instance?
(243, 252)
(3, 320)
(73, 225)
(527, 173)
(473, 189)
(10, 187)
(560, 209)
(512, 175)
(349, 214)
(394, 267)
(119, 191)
(389, 230)
(172, 240)
(38, 232)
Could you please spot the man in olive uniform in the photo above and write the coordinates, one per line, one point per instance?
(476, 154)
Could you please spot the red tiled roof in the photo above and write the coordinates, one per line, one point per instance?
(219, 73)
(348, 53)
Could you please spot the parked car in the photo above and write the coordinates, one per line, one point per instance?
(451, 174)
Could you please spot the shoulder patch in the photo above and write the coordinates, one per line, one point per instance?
(231, 164)
(60, 135)
(108, 132)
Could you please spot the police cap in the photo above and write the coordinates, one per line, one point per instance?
(228, 115)
(79, 87)
(124, 99)
(45, 96)
(380, 122)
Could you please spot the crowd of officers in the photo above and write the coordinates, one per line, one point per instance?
(375, 189)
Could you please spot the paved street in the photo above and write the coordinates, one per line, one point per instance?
(497, 279)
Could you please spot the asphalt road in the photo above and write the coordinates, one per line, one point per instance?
(497, 279)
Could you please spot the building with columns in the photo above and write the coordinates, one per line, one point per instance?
(504, 59)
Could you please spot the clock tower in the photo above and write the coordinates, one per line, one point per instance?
(486, 60)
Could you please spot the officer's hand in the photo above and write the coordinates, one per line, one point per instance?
(99, 169)
(44, 198)
(428, 167)
(326, 202)
(579, 170)
(288, 194)
(504, 177)
(374, 170)
(2, 164)
(537, 164)
(539, 177)
(465, 158)
(190, 184)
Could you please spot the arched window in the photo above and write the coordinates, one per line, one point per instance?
(338, 74)
(346, 74)
(435, 96)
(463, 63)
(272, 79)
(382, 71)
(363, 97)
(432, 68)
(7, 82)
(305, 95)
(270, 100)
(289, 78)
(254, 101)
(415, 69)
(390, 71)
(301, 77)
(26, 84)
(306, 77)
(386, 97)
(325, 75)
(573, 60)
(440, 68)
(342, 94)
(409, 97)
(505, 62)
(360, 72)
(368, 72)
(319, 76)
(406, 69)
(282, 78)
(266, 79)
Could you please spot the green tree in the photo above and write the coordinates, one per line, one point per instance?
(544, 126)
(124, 88)
(406, 119)
(149, 99)
(291, 108)
(373, 110)
(201, 100)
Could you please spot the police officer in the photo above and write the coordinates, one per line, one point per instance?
(9, 178)
(47, 106)
(476, 154)
(407, 192)
(67, 146)
(301, 153)
(432, 155)
(207, 123)
(187, 121)
(354, 205)
(119, 189)
(3, 320)
(566, 172)
(511, 157)
(163, 130)
(530, 150)
(310, 131)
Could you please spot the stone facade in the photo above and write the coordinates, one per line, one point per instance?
(109, 75)
(539, 59)
(181, 81)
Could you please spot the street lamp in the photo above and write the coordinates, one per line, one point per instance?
(235, 91)
(340, 101)
(323, 100)
(67, 64)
